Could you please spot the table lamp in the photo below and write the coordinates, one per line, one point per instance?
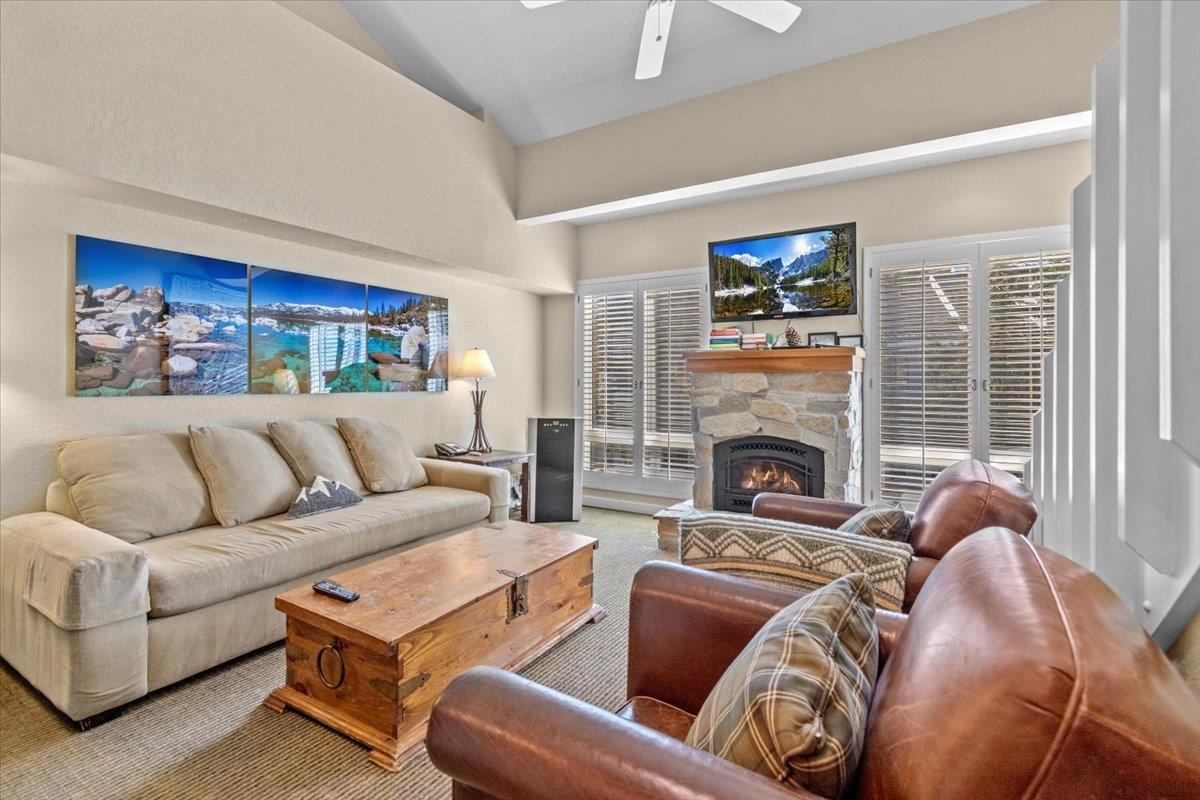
(476, 364)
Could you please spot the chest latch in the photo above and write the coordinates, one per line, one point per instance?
(518, 595)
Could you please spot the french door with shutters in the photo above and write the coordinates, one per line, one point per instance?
(631, 387)
(956, 332)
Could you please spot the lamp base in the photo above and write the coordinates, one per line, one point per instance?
(479, 441)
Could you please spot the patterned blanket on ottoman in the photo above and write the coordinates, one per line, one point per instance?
(798, 556)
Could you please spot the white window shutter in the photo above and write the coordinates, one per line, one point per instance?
(607, 382)
(925, 368)
(1020, 333)
(672, 325)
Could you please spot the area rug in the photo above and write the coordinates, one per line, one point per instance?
(210, 736)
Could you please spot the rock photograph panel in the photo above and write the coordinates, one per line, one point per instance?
(157, 322)
(408, 339)
(308, 334)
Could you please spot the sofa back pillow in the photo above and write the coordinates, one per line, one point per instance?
(135, 487)
(247, 478)
(880, 521)
(382, 456)
(793, 705)
(316, 448)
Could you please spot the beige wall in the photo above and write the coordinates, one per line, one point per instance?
(36, 282)
(1027, 64)
(1020, 190)
(248, 107)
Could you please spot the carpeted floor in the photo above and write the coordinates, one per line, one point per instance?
(210, 737)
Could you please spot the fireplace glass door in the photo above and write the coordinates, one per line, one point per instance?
(744, 467)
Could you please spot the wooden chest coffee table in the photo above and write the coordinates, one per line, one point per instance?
(500, 595)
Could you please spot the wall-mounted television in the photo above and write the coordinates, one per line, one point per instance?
(804, 273)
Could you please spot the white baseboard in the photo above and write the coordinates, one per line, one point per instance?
(649, 509)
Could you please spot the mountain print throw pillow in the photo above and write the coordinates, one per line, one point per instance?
(323, 495)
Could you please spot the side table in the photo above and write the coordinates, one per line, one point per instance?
(502, 458)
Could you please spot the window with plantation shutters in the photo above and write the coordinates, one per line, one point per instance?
(956, 334)
(633, 391)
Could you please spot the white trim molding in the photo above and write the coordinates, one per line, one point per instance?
(950, 149)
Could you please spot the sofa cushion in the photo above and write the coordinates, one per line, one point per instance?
(793, 704)
(197, 568)
(135, 487)
(316, 448)
(247, 478)
(382, 456)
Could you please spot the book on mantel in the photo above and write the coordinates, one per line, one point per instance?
(724, 339)
(754, 341)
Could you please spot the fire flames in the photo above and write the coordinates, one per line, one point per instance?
(770, 477)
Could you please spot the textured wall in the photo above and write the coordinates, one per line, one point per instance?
(1009, 192)
(245, 106)
(1027, 64)
(36, 280)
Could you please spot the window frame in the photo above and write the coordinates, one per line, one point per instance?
(978, 249)
(638, 483)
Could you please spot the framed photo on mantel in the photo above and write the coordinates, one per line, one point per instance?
(823, 339)
(850, 340)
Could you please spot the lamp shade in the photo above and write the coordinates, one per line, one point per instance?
(476, 364)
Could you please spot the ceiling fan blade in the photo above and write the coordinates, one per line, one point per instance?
(540, 3)
(778, 15)
(655, 30)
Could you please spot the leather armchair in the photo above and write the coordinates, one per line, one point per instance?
(965, 497)
(1018, 674)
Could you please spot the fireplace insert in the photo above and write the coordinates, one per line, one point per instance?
(746, 466)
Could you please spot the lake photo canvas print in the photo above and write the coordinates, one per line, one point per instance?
(308, 334)
(801, 273)
(408, 340)
(157, 322)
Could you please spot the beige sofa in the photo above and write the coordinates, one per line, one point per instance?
(94, 618)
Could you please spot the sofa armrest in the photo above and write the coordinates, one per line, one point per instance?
(808, 510)
(490, 481)
(511, 739)
(686, 626)
(75, 576)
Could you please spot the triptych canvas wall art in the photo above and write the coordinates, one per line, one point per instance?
(157, 322)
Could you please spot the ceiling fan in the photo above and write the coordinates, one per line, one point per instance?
(778, 15)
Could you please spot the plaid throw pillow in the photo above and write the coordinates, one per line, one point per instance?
(793, 705)
(882, 521)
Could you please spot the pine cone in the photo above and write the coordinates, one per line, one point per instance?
(793, 336)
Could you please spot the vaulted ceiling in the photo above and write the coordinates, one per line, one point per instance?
(546, 72)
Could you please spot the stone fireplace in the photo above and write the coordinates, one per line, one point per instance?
(776, 420)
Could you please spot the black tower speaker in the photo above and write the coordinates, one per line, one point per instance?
(557, 481)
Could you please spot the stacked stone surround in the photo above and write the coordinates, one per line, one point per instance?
(822, 409)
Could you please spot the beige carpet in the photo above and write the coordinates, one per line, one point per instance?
(210, 737)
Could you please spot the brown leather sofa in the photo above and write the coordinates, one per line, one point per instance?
(1018, 674)
(965, 497)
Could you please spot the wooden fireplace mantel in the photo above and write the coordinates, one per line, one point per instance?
(808, 359)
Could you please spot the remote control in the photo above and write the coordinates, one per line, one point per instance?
(336, 591)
